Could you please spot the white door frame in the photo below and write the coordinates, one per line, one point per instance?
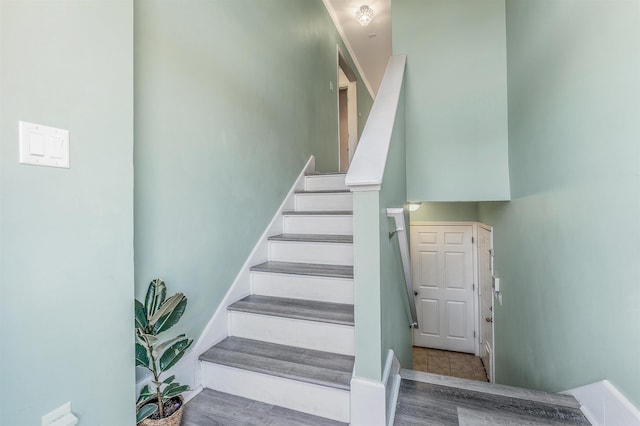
(476, 301)
(491, 374)
(352, 102)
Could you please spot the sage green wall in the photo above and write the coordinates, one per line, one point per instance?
(367, 291)
(567, 245)
(396, 316)
(381, 308)
(231, 99)
(456, 98)
(446, 212)
(66, 246)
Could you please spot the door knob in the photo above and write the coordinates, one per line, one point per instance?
(415, 293)
(488, 319)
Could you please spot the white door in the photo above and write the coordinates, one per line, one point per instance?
(485, 283)
(442, 263)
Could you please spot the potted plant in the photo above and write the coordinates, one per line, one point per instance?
(160, 403)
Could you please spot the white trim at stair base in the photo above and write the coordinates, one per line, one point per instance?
(309, 398)
(604, 405)
(373, 403)
(391, 379)
(319, 336)
(311, 252)
(319, 289)
(216, 329)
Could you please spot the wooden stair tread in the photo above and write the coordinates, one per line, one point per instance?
(295, 268)
(306, 365)
(212, 407)
(313, 238)
(323, 191)
(317, 213)
(309, 310)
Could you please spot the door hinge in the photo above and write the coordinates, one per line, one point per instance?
(474, 334)
(473, 240)
(474, 287)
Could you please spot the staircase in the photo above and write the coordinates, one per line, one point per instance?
(291, 342)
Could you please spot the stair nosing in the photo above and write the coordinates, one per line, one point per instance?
(317, 213)
(305, 316)
(323, 191)
(315, 272)
(312, 238)
(276, 372)
(324, 174)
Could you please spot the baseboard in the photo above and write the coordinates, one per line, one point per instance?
(373, 403)
(391, 379)
(604, 405)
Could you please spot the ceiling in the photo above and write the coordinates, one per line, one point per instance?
(370, 46)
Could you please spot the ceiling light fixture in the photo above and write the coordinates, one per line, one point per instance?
(364, 15)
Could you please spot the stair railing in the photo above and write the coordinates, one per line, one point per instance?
(401, 232)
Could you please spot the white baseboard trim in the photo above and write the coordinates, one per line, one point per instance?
(373, 403)
(604, 405)
(367, 402)
(392, 380)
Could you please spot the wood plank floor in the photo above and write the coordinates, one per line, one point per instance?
(450, 401)
(212, 408)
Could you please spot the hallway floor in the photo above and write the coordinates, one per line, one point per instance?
(455, 364)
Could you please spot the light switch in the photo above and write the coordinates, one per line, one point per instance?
(36, 144)
(57, 146)
(43, 145)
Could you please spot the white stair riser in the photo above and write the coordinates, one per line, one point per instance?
(319, 202)
(325, 183)
(316, 335)
(308, 252)
(300, 396)
(331, 224)
(320, 289)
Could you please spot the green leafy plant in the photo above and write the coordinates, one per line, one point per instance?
(157, 315)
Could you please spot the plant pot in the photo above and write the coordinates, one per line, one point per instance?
(172, 420)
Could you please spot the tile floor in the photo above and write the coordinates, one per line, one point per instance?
(456, 364)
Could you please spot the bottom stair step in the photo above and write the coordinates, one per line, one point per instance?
(305, 380)
(211, 407)
(306, 365)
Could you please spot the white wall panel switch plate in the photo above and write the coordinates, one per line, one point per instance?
(43, 145)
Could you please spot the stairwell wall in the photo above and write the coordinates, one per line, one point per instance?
(446, 212)
(567, 245)
(66, 235)
(456, 98)
(231, 99)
